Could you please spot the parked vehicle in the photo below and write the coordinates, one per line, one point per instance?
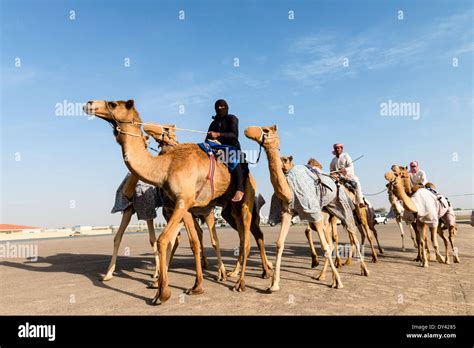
(379, 219)
(472, 218)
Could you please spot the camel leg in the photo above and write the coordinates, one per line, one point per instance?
(413, 236)
(236, 270)
(198, 228)
(402, 233)
(348, 261)
(335, 238)
(418, 234)
(445, 240)
(326, 247)
(154, 245)
(363, 268)
(451, 240)
(258, 235)
(280, 245)
(164, 245)
(211, 225)
(190, 223)
(366, 229)
(246, 220)
(376, 235)
(314, 255)
(175, 238)
(126, 216)
(434, 240)
(421, 231)
(327, 235)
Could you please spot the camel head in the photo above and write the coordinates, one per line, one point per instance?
(402, 172)
(287, 162)
(163, 134)
(266, 136)
(315, 163)
(397, 188)
(118, 113)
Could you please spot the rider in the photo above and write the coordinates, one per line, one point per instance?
(342, 163)
(417, 176)
(225, 129)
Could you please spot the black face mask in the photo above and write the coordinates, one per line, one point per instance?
(221, 112)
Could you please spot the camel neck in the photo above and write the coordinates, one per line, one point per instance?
(277, 178)
(139, 161)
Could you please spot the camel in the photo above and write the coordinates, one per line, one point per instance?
(360, 216)
(160, 132)
(184, 175)
(268, 138)
(166, 142)
(397, 209)
(446, 220)
(420, 208)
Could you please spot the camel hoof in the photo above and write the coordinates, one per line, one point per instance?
(272, 288)
(425, 264)
(348, 262)
(165, 294)
(232, 274)
(314, 263)
(338, 263)
(153, 285)
(440, 259)
(364, 271)
(457, 259)
(106, 278)
(205, 264)
(447, 262)
(374, 259)
(337, 285)
(221, 276)
(239, 286)
(417, 259)
(381, 250)
(321, 277)
(267, 274)
(196, 290)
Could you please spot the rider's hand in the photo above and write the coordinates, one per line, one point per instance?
(343, 171)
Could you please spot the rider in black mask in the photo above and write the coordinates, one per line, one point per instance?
(225, 129)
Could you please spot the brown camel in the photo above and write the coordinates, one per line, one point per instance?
(268, 138)
(166, 142)
(159, 132)
(184, 175)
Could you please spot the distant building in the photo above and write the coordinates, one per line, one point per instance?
(8, 228)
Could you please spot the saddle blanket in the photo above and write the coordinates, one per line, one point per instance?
(226, 154)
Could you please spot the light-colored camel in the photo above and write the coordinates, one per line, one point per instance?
(268, 138)
(397, 209)
(360, 217)
(163, 132)
(446, 222)
(184, 174)
(398, 187)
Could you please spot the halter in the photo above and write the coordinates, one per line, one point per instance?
(117, 127)
(261, 142)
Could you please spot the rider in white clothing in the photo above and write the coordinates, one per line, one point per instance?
(417, 176)
(342, 163)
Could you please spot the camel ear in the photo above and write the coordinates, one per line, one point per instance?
(291, 158)
(389, 176)
(129, 104)
(274, 128)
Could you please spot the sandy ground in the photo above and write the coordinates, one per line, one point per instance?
(65, 280)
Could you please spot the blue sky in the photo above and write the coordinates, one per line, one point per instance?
(49, 160)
